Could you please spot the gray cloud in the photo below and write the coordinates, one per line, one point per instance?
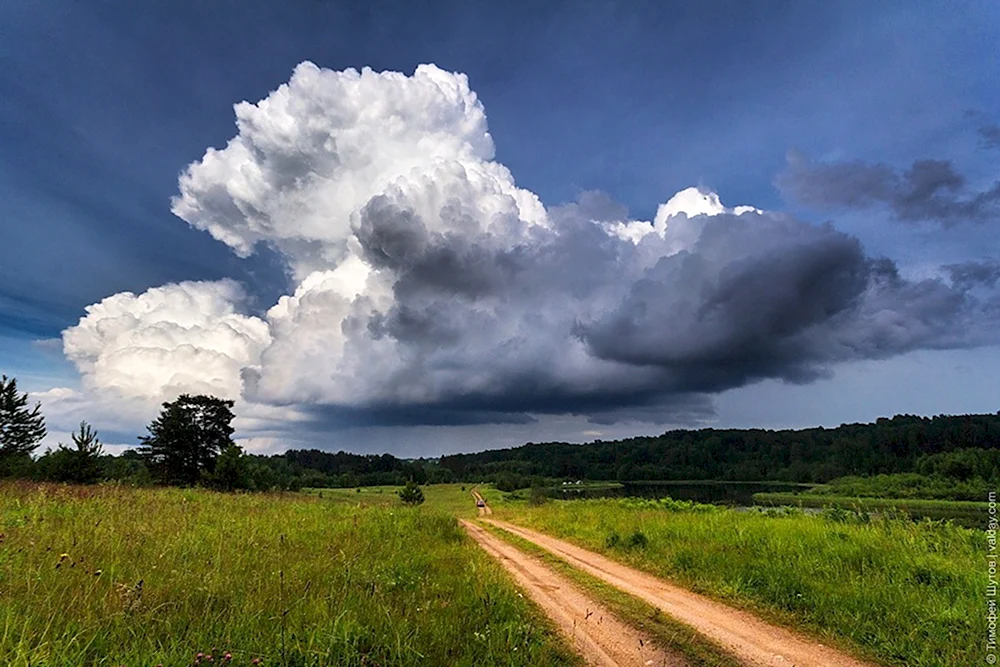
(967, 275)
(989, 135)
(929, 190)
(575, 320)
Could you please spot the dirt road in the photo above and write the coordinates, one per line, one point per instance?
(748, 638)
(590, 628)
(484, 509)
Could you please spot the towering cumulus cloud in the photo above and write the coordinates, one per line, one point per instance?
(431, 289)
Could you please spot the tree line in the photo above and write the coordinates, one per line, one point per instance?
(190, 443)
(902, 444)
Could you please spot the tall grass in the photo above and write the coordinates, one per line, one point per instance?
(905, 593)
(118, 576)
(967, 513)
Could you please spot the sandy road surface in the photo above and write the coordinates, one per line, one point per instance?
(591, 629)
(745, 636)
(485, 509)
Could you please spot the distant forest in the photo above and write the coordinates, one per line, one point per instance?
(944, 447)
(959, 446)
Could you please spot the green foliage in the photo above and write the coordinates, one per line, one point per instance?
(80, 464)
(888, 446)
(668, 504)
(290, 580)
(86, 453)
(231, 471)
(637, 540)
(908, 593)
(186, 438)
(963, 464)
(411, 493)
(967, 513)
(21, 429)
(907, 485)
(537, 496)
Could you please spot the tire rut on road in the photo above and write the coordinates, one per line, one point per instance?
(593, 631)
(748, 638)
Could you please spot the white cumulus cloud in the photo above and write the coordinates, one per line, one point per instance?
(432, 289)
(185, 337)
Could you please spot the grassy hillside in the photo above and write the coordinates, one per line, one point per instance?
(105, 575)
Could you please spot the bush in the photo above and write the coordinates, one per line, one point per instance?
(537, 496)
(411, 494)
(637, 540)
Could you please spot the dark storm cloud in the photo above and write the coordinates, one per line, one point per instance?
(737, 306)
(929, 190)
(756, 296)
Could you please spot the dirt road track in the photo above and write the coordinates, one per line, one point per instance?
(598, 636)
(748, 638)
(484, 510)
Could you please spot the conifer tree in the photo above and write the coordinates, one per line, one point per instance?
(185, 440)
(21, 429)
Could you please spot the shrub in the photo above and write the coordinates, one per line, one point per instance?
(411, 493)
(637, 540)
(537, 496)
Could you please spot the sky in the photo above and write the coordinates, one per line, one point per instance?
(424, 230)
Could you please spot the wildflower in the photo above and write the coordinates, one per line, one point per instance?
(228, 656)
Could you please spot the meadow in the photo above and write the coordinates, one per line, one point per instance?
(897, 591)
(967, 513)
(110, 575)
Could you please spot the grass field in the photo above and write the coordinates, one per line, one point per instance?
(904, 593)
(107, 575)
(968, 513)
(452, 499)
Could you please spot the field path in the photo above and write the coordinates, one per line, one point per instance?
(484, 509)
(592, 630)
(746, 637)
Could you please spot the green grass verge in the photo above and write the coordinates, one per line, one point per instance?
(904, 593)
(665, 631)
(106, 575)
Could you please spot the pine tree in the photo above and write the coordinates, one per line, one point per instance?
(84, 457)
(21, 429)
(185, 440)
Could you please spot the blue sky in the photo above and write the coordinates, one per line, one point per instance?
(103, 105)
